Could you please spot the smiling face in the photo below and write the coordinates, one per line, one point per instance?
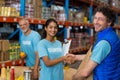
(51, 29)
(100, 22)
(24, 25)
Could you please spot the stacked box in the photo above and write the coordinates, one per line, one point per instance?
(37, 8)
(37, 2)
(29, 1)
(29, 10)
(119, 4)
(37, 11)
(73, 43)
(11, 8)
(58, 13)
(8, 11)
(8, 3)
(115, 3)
(71, 15)
(79, 16)
(61, 16)
(14, 50)
(2, 3)
(79, 39)
(46, 13)
(4, 47)
(16, 5)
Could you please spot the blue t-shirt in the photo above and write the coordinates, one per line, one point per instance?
(53, 51)
(101, 50)
(29, 46)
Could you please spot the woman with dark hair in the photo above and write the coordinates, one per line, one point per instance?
(44, 34)
(51, 53)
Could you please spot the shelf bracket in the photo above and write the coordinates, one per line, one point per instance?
(65, 33)
(60, 32)
(44, 3)
(91, 13)
(51, 3)
(67, 8)
(13, 34)
(22, 7)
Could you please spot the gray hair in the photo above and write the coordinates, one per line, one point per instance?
(24, 19)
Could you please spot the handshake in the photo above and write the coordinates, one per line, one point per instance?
(71, 58)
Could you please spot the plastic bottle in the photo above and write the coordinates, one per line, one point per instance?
(3, 73)
(8, 73)
(12, 74)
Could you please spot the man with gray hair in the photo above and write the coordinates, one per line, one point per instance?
(28, 43)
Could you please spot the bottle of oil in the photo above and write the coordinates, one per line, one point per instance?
(3, 73)
(8, 73)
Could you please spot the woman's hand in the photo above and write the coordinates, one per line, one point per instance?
(70, 58)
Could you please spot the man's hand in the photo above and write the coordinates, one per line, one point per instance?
(70, 58)
(35, 73)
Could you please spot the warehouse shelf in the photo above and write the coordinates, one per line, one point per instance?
(79, 49)
(71, 3)
(84, 2)
(42, 21)
(39, 21)
(93, 3)
(9, 19)
(19, 62)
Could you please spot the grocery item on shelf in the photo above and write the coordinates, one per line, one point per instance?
(4, 45)
(12, 73)
(3, 73)
(8, 73)
(27, 74)
(14, 51)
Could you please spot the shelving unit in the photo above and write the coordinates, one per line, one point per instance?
(19, 62)
(39, 21)
(42, 21)
(67, 4)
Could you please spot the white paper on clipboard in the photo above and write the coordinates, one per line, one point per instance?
(66, 46)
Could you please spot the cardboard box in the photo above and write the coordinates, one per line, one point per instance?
(37, 2)
(5, 45)
(68, 73)
(19, 70)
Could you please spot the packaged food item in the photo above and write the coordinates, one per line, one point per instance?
(28, 75)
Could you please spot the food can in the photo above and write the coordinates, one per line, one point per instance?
(28, 75)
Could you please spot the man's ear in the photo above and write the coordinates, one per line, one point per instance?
(109, 23)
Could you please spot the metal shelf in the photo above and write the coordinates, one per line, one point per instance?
(78, 49)
(19, 62)
(42, 21)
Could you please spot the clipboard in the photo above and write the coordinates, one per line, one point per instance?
(66, 46)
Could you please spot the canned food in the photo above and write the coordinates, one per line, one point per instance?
(28, 75)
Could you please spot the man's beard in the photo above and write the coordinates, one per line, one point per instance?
(25, 31)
